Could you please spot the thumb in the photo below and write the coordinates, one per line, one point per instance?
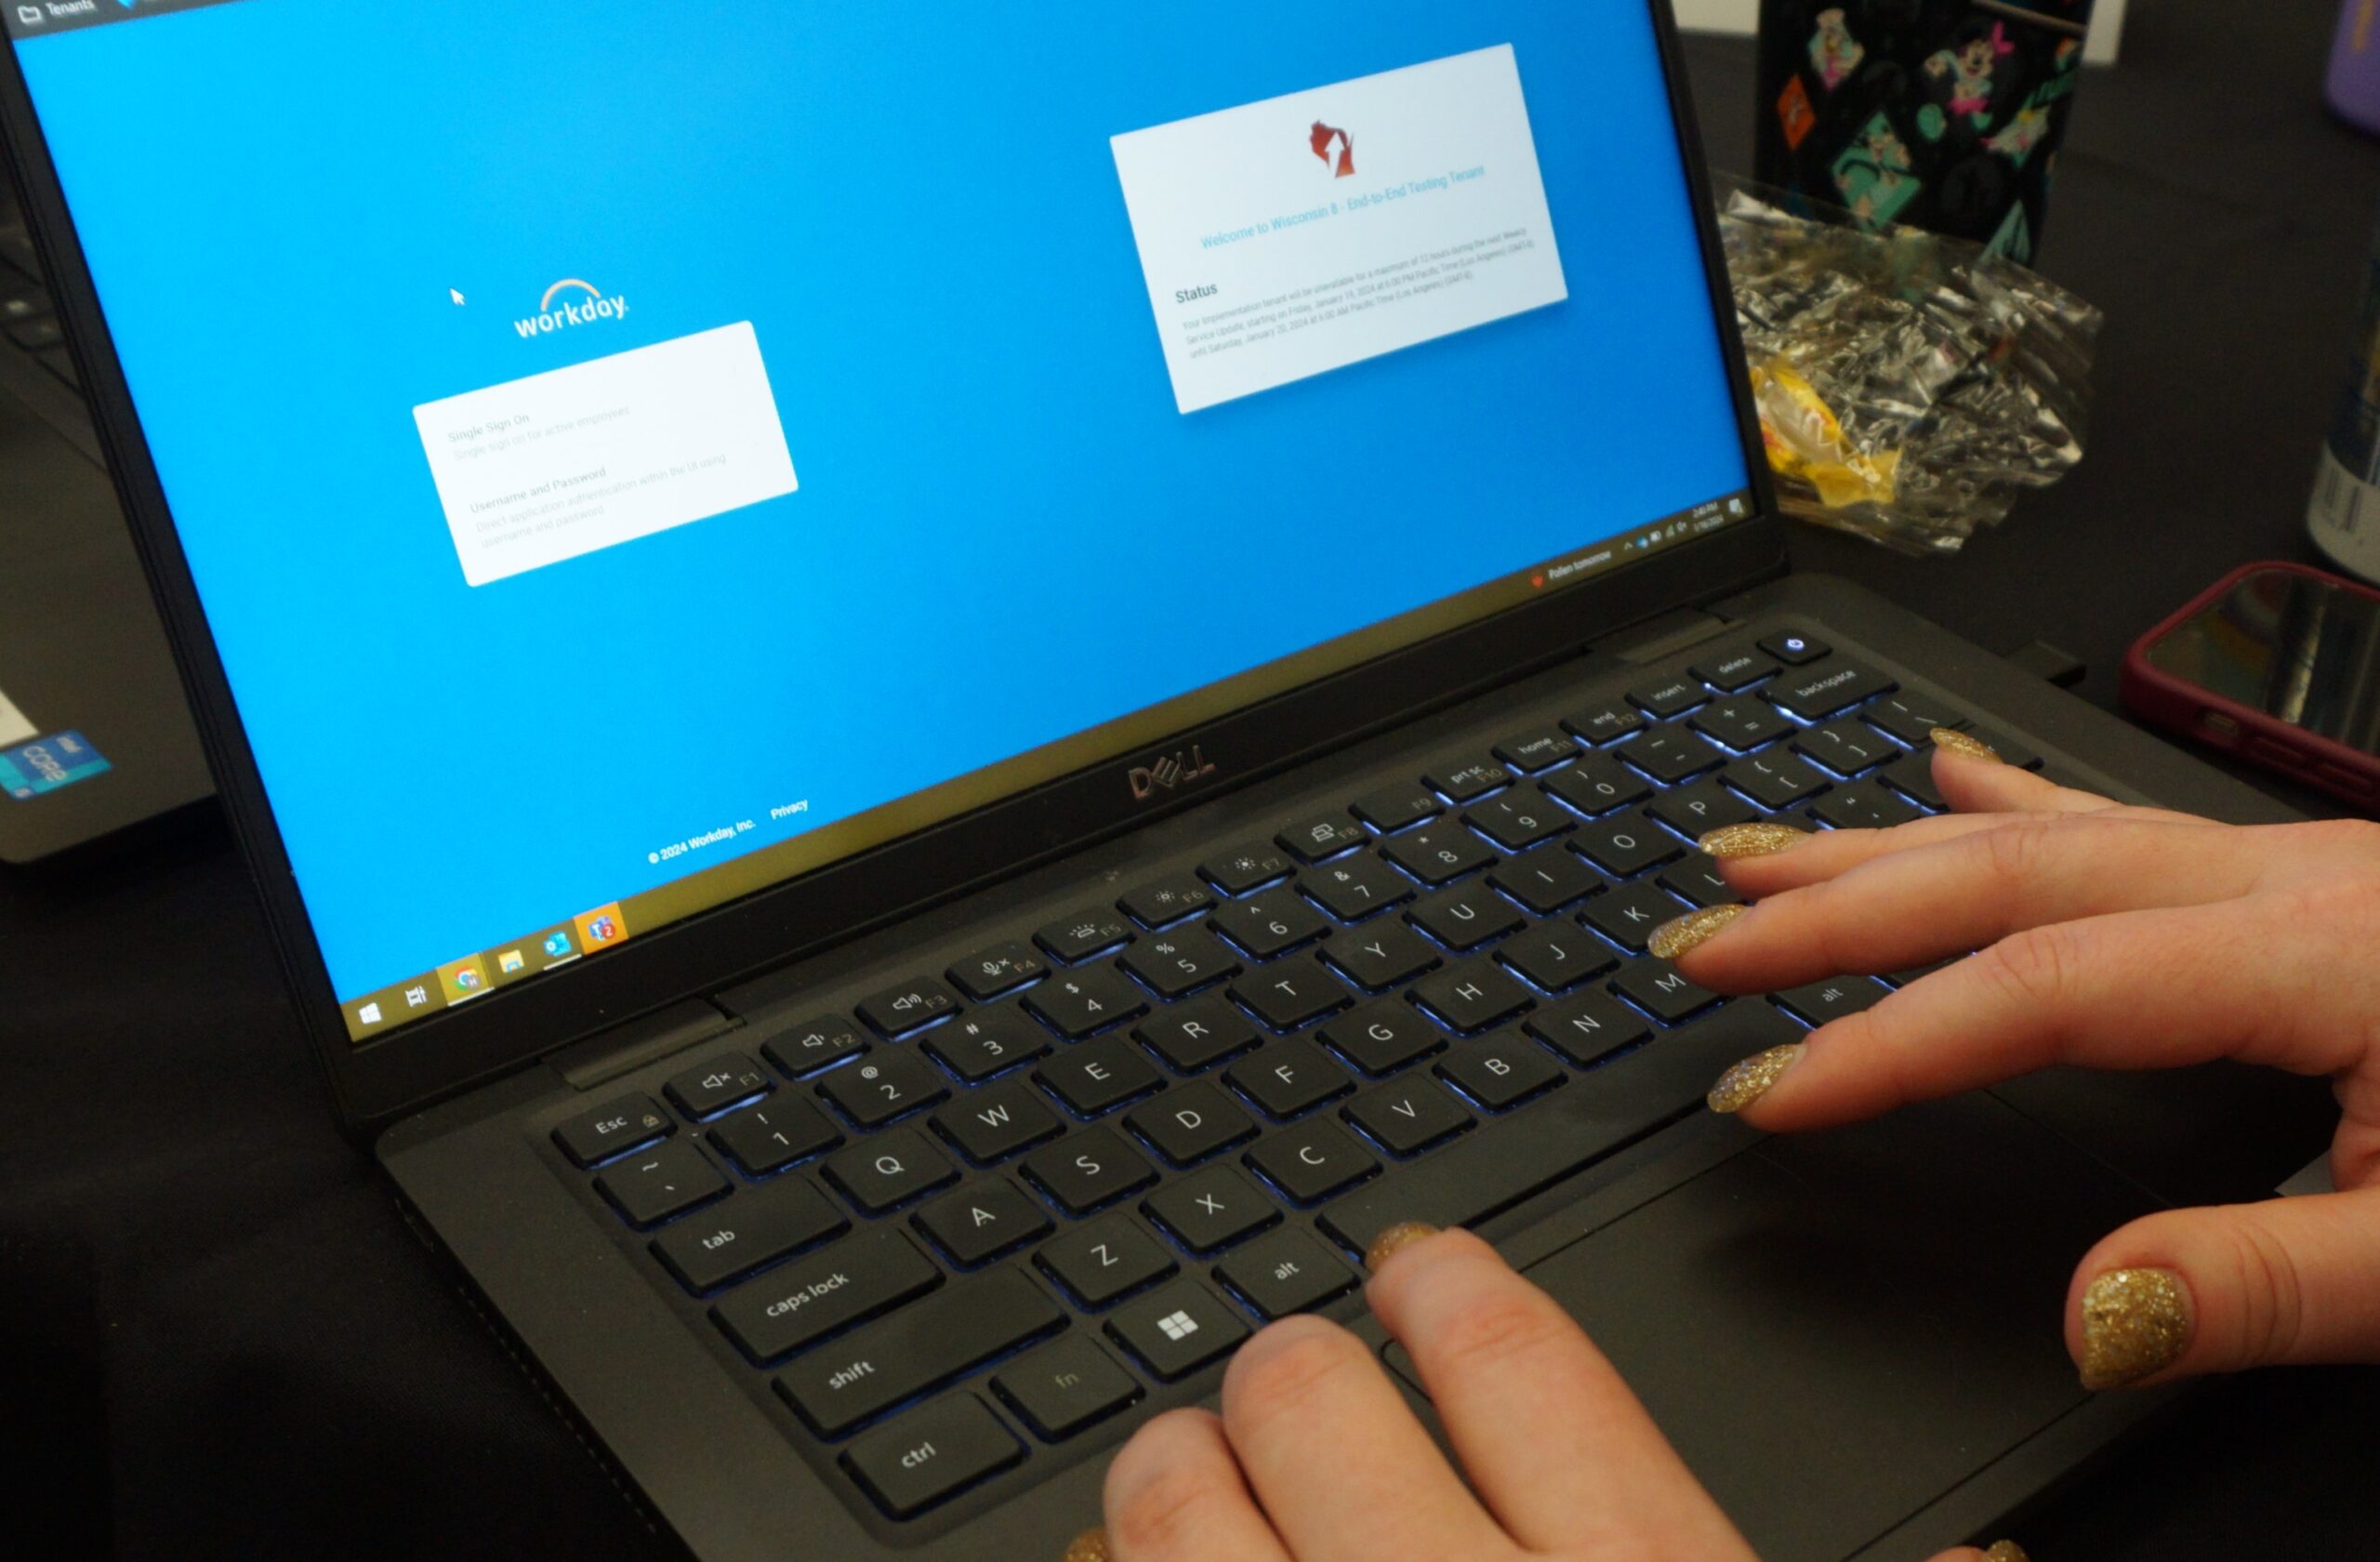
(2187, 1292)
(2007, 1551)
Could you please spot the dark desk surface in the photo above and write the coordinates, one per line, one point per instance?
(216, 1339)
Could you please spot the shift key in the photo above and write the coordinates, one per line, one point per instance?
(803, 1303)
(886, 1363)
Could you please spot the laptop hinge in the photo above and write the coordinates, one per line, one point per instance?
(1665, 636)
(626, 1048)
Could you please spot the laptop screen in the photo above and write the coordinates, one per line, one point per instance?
(629, 456)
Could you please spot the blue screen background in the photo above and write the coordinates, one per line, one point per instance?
(1005, 532)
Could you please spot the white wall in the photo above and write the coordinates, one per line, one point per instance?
(1743, 15)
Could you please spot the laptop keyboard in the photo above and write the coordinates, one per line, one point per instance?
(28, 319)
(994, 1206)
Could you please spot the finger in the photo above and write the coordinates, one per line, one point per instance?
(1551, 1437)
(2124, 991)
(1822, 855)
(1337, 1457)
(1971, 784)
(1911, 907)
(2002, 1551)
(1176, 1494)
(2188, 1292)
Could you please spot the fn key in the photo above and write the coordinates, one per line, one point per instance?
(931, 1455)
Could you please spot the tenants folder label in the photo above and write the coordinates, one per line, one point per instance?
(1285, 238)
(545, 468)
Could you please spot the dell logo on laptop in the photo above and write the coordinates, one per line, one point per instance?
(1191, 764)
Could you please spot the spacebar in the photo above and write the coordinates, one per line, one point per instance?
(1485, 1173)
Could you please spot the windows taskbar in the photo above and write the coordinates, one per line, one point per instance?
(375, 1014)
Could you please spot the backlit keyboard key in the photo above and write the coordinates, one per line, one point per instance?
(754, 1228)
(1178, 1330)
(1818, 691)
(1084, 934)
(989, 1041)
(1292, 993)
(1519, 819)
(1439, 853)
(1473, 995)
(1395, 808)
(1287, 1272)
(1180, 960)
(1320, 839)
(1539, 748)
(1625, 846)
(1660, 987)
(1355, 887)
(810, 1298)
(1077, 1003)
(1465, 780)
(653, 1185)
(1731, 671)
(1382, 954)
(930, 1456)
(775, 1134)
(888, 1169)
(1166, 901)
(1604, 723)
(613, 1128)
(906, 1005)
(888, 1084)
(1066, 1387)
(1313, 1161)
(1003, 968)
(806, 1048)
(1671, 754)
(718, 1083)
(1089, 1171)
(909, 1352)
(1669, 698)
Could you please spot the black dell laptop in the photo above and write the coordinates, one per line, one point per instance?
(931, 699)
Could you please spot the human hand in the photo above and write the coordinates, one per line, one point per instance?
(1317, 1456)
(2111, 937)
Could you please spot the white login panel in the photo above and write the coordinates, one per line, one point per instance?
(1286, 238)
(545, 468)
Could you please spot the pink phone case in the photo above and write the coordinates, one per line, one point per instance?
(2155, 695)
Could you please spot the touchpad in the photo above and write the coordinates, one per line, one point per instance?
(1836, 1329)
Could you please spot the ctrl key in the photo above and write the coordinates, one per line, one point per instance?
(931, 1455)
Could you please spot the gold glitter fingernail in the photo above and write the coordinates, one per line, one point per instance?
(2007, 1551)
(1089, 1546)
(1692, 930)
(1394, 1240)
(1752, 840)
(1751, 1079)
(1960, 742)
(2135, 1323)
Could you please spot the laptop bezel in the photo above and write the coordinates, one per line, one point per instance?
(460, 1048)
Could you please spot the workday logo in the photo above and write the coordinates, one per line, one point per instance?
(586, 310)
